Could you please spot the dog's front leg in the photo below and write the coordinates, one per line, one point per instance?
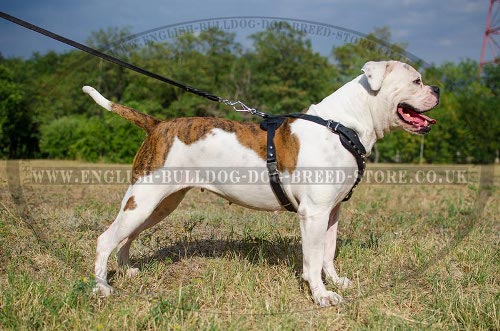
(313, 228)
(330, 246)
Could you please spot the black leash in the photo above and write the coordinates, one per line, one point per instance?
(271, 123)
(130, 66)
(109, 58)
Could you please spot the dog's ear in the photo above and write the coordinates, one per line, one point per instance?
(375, 73)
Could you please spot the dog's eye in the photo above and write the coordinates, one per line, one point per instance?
(418, 81)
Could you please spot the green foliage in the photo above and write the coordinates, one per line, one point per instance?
(124, 139)
(107, 138)
(43, 112)
(58, 137)
(286, 74)
(18, 127)
(376, 46)
(468, 117)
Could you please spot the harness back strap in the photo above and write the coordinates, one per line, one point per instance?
(348, 138)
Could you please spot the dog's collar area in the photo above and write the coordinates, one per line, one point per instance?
(348, 138)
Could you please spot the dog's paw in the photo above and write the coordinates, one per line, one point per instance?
(343, 283)
(328, 299)
(102, 289)
(131, 272)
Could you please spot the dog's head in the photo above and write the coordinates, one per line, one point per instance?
(401, 86)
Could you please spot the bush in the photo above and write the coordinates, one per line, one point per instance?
(58, 136)
(99, 138)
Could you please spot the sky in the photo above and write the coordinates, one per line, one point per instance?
(435, 31)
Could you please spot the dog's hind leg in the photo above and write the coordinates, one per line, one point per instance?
(313, 227)
(164, 208)
(330, 246)
(138, 205)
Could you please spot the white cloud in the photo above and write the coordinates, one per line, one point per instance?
(473, 7)
(400, 33)
(446, 42)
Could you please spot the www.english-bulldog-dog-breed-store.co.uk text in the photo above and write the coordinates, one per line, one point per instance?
(387, 95)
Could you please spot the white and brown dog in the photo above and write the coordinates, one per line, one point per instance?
(388, 95)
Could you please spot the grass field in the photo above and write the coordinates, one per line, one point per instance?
(420, 256)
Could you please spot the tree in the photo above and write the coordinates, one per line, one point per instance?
(206, 61)
(376, 46)
(468, 117)
(287, 75)
(18, 127)
(41, 97)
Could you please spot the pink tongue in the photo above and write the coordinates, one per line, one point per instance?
(418, 118)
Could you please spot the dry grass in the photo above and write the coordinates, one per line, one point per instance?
(419, 257)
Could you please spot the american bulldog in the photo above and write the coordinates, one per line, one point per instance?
(387, 95)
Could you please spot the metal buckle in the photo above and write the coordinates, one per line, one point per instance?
(244, 108)
(329, 125)
(272, 168)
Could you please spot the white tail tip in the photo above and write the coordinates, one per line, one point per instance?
(98, 98)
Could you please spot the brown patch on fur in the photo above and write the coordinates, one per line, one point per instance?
(130, 205)
(142, 120)
(154, 150)
(248, 134)
(287, 147)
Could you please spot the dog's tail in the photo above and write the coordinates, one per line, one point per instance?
(143, 121)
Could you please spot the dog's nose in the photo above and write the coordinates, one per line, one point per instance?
(435, 89)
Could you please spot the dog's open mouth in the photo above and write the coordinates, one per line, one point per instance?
(420, 122)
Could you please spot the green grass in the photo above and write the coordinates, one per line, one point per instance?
(418, 256)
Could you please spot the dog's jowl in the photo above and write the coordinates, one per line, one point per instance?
(388, 95)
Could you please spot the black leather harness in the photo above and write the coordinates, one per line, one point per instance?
(348, 138)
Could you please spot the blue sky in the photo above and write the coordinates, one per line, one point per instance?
(436, 31)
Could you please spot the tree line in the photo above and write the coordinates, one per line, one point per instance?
(44, 114)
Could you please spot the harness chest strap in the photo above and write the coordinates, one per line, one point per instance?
(348, 138)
